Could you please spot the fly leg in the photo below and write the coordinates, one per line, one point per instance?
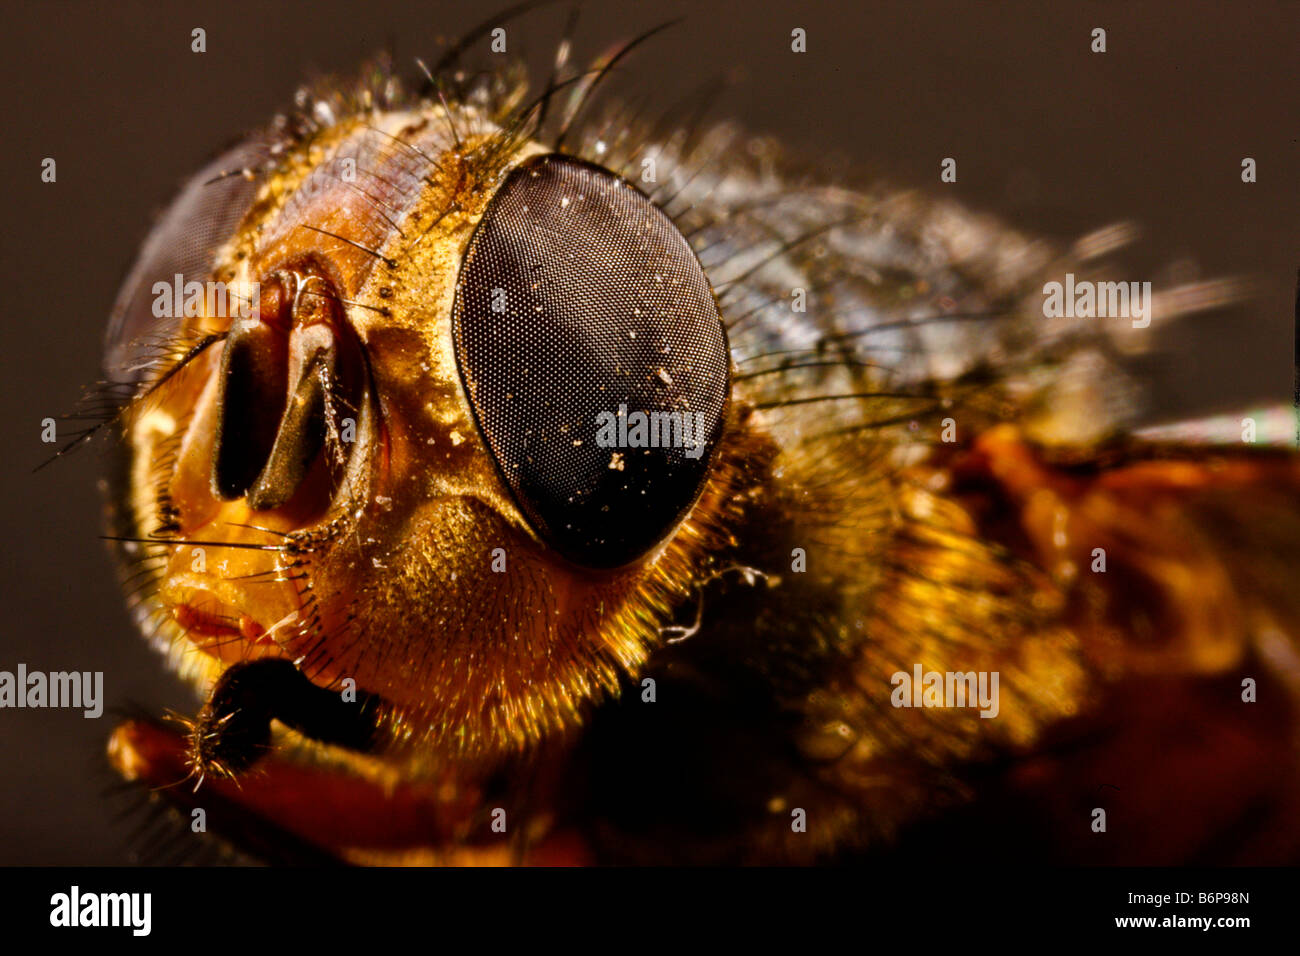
(233, 730)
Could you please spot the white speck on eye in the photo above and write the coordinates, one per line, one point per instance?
(665, 377)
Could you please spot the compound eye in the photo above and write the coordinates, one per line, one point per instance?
(594, 358)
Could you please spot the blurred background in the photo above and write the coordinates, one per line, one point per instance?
(1052, 138)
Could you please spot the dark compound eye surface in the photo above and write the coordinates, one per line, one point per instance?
(591, 348)
(183, 242)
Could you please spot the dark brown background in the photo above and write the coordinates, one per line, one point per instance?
(1048, 135)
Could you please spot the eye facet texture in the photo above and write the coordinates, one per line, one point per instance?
(183, 242)
(591, 348)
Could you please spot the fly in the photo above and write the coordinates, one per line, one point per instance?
(505, 504)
